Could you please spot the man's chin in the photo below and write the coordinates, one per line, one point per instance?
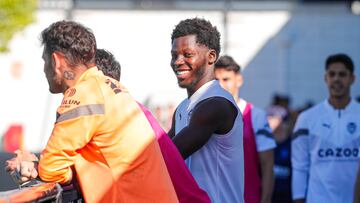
(52, 91)
(181, 85)
(186, 85)
(338, 95)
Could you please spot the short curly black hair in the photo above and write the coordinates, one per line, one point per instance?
(342, 58)
(107, 63)
(228, 63)
(206, 34)
(72, 39)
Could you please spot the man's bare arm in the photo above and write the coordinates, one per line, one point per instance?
(214, 115)
(267, 174)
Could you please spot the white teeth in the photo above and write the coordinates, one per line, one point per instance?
(182, 72)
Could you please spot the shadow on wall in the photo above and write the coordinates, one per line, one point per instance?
(292, 61)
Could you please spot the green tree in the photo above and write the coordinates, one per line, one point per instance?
(15, 15)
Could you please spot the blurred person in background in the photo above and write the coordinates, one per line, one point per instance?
(259, 143)
(326, 140)
(187, 190)
(284, 101)
(281, 100)
(278, 118)
(107, 63)
(96, 138)
(207, 126)
(282, 121)
(170, 109)
(159, 115)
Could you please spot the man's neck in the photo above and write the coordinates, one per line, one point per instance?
(236, 97)
(72, 75)
(207, 78)
(339, 103)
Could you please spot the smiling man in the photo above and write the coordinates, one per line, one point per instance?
(186, 188)
(326, 140)
(207, 126)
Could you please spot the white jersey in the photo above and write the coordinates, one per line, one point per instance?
(325, 153)
(262, 131)
(218, 166)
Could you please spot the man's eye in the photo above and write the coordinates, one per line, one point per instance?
(331, 74)
(342, 74)
(187, 55)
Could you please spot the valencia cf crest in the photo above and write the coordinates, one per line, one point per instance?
(351, 127)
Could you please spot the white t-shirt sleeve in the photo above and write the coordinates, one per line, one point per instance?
(262, 131)
(300, 158)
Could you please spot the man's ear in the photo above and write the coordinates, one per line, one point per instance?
(353, 78)
(212, 56)
(325, 78)
(58, 60)
(239, 80)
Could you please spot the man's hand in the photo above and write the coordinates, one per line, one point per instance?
(28, 171)
(22, 167)
(25, 156)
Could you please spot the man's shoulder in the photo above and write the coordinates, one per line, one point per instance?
(90, 85)
(314, 111)
(311, 116)
(82, 94)
(215, 103)
(355, 106)
(217, 109)
(257, 111)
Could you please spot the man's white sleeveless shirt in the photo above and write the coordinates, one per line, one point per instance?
(218, 166)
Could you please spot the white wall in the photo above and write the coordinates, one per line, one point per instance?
(26, 100)
(141, 42)
(292, 62)
(281, 52)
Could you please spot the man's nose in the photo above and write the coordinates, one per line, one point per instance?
(179, 60)
(337, 76)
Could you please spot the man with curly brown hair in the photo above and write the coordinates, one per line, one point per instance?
(97, 132)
